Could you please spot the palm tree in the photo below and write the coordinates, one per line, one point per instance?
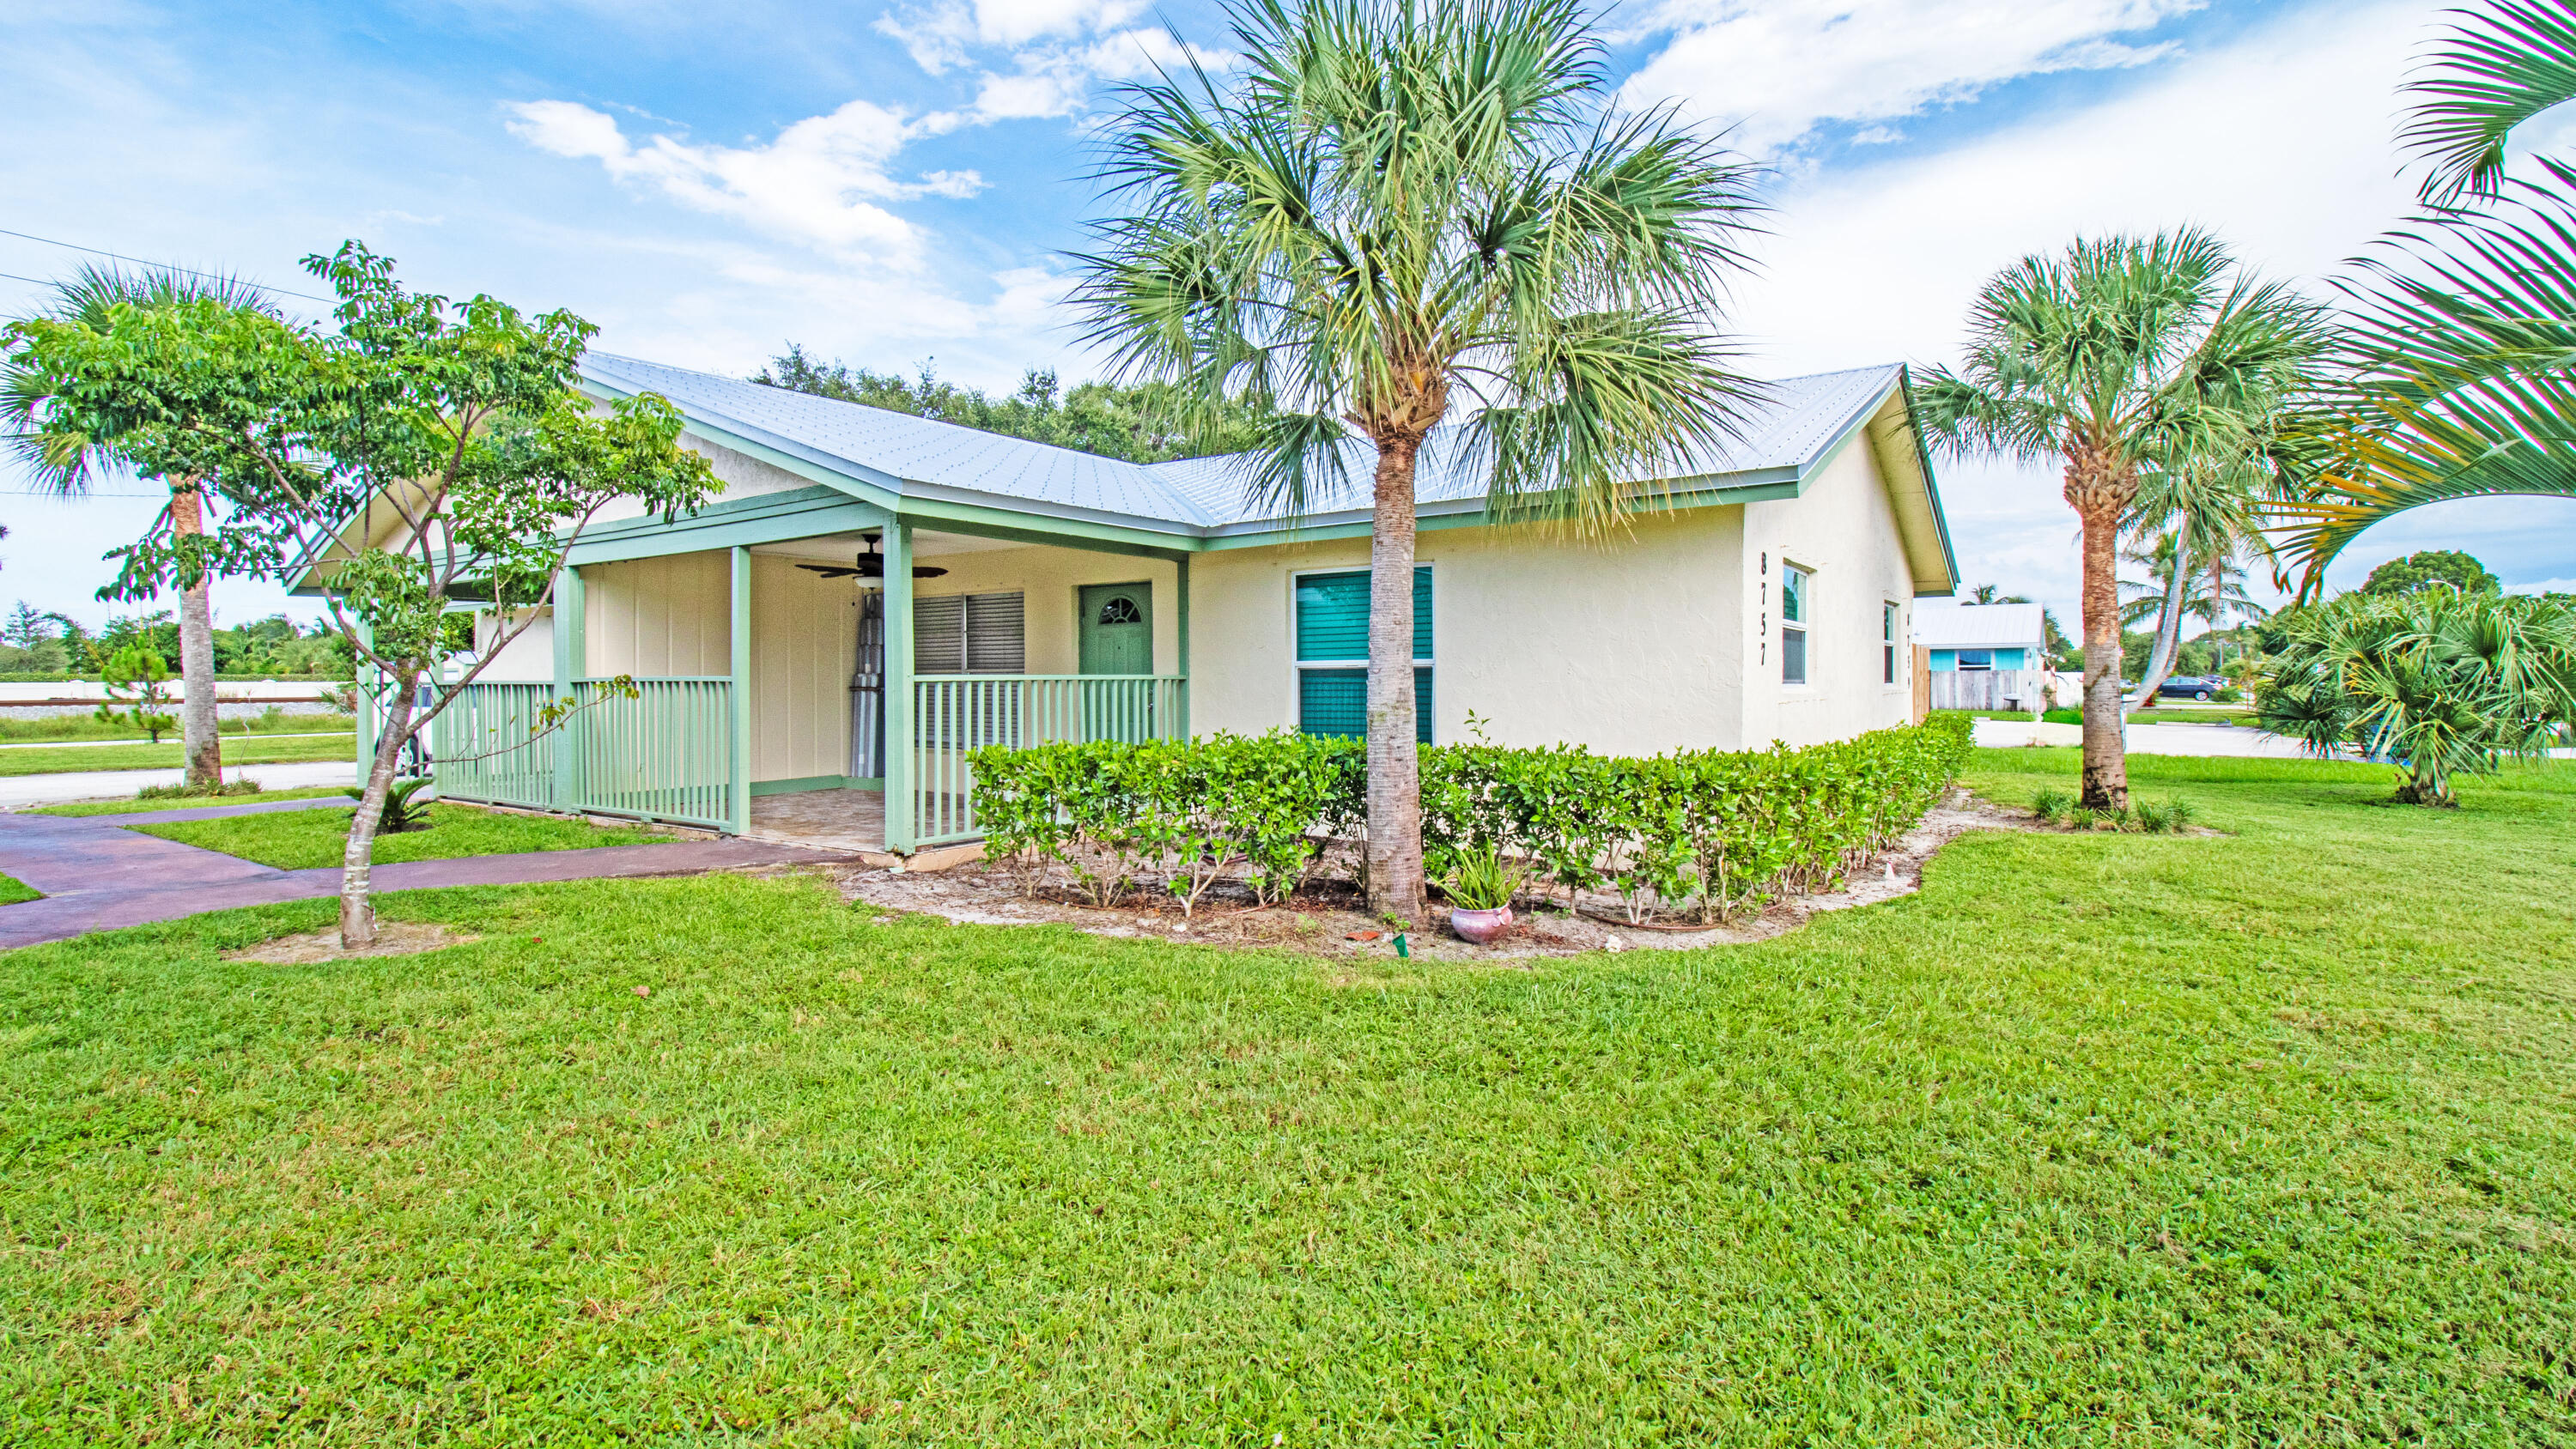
(67, 464)
(1398, 210)
(2122, 357)
(2455, 382)
(2214, 505)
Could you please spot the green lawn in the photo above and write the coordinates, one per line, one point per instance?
(133, 806)
(237, 751)
(14, 890)
(91, 727)
(2204, 714)
(301, 839)
(2263, 1137)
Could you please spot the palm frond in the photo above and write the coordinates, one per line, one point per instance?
(2503, 64)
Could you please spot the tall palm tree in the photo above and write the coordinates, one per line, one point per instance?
(68, 463)
(2210, 507)
(1397, 212)
(2120, 357)
(2457, 380)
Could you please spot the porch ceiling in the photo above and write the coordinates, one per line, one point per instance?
(841, 547)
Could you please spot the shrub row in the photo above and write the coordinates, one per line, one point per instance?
(1701, 833)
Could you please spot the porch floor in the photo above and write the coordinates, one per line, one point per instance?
(851, 820)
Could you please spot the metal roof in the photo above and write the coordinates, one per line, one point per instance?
(1948, 625)
(1786, 431)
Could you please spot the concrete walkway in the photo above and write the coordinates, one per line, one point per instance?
(97, 876)
(19, 791)
(174, 739)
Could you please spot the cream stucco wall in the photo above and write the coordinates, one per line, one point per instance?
(1631, 645)
(1844, 529)
(525, 659)
(741, 475)
(1053, 578)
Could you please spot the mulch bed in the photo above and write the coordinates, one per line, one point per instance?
(1327, 917)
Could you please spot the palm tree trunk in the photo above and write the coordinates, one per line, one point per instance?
(357, 859)
(201, 743)
(2101, 487)
(1394, 771)
(2168, 630)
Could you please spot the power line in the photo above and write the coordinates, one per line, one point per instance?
(138, 261)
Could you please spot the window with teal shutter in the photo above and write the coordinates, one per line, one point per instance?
(1332, 653)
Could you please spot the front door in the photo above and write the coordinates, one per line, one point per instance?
(1117, 638)
(1118, 629)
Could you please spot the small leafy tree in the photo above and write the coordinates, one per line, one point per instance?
(136, 677)
(2432, 568)
(2441, 683)
(424, 451)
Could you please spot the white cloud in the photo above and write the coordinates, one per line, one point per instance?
(2281, 141)
(820, 182)
(1780, 68)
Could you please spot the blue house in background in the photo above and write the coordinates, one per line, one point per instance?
(1971, 637)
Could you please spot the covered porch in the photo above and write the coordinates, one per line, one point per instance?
(816, 668)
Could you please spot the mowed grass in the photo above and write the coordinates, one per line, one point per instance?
(303, 839)
(14, 890)
(2263, 1137)
(132, 805)
(238, 750)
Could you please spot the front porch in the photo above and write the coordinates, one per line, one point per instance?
(800, 683)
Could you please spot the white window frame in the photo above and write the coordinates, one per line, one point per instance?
(1892, 617)
(1297, 667)
(1804, 625)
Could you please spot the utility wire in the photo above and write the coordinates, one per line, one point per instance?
(138, 261)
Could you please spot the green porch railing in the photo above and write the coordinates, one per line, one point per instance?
(666, 754)
(484, 746)
(954, 713)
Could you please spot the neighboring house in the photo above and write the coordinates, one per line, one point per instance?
(1984, 656)
(870, 576)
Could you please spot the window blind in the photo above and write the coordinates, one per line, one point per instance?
(970, 634)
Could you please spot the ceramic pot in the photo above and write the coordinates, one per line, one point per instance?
(1480, 926)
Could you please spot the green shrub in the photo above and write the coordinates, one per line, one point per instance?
(1706, 831)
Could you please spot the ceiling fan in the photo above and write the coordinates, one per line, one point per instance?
(869, 565)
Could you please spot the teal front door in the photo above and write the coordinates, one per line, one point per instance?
(1117, 638)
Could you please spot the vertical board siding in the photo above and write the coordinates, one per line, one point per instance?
(660, 618)
(804, 638)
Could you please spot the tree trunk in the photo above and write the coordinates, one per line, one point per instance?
(200, 741)
(1394, 771)
(2168, 632)
(357, 907)
(2101, 485)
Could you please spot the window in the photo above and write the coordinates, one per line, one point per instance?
(1971, 659)
(970, 634)
(1121, 610)
(1332, 618)
(1887, 634)
(1793, 623)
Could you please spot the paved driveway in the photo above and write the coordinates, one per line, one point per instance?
(97, 876)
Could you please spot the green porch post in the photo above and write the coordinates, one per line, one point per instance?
(740, 658)
(899, 813)
(1181, 566)
(363, 716)
(570, 631)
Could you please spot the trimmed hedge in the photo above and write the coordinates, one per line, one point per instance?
(1704, 833)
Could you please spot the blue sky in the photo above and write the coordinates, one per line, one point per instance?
(901, 182)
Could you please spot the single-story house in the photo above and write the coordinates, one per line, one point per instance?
(1964, 636)
(868, 576)
(1985, 656)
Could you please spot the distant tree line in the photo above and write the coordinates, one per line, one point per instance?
(1145, 423)
(36, 641)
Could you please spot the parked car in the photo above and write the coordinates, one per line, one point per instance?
(2191, 686)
